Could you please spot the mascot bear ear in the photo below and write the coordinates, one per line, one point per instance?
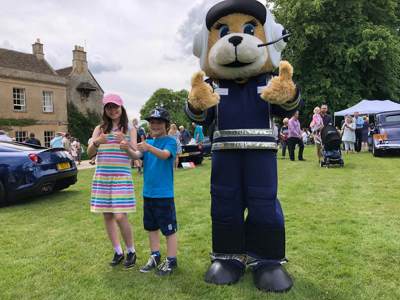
(200, 46)
(273, 32)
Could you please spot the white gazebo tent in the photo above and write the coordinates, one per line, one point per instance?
(369, 107)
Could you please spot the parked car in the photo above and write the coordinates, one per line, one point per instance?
(206, 146)
(28, 170)
(191, 153)
(385, 133)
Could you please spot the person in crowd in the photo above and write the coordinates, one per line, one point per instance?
(276, 133)
(295, 137)
(184, 135)
(316, 125)
(348, 134)
(198, 134)
(141, 136)
(32, 140)
(158, 193)
(175, 133)
(114, 142)
(305, 135)
(283, 134)
(326, 118)
(359, 121)
(365, 131)
(4, 136)
(57, 141)
(76, 150)
(66, 142)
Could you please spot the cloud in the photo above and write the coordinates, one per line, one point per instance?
(99, 65)
(7, 45)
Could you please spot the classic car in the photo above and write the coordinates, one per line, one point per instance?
(385, 133)
(28, 170)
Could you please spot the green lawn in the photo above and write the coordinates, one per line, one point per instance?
(342, 226)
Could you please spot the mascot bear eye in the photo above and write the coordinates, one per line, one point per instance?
(223, 30)
(249, 28)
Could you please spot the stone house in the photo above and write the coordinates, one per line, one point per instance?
(33, 96)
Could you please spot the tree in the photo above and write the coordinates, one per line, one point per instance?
(81, 126)
(173, 101)
(342, 51)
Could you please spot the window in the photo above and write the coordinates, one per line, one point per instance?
(48, 136)
(48, 102)
(21, 136)
(19, 99)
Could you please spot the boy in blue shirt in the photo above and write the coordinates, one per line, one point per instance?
(158, 192)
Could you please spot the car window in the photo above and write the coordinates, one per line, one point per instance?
(392, 119)
(15, 147)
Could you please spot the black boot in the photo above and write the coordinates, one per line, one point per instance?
(224, 272)
(272, 279)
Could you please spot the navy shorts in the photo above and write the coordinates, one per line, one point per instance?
(159, 213)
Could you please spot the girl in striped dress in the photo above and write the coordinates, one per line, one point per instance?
(114, 143)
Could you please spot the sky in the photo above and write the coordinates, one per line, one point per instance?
(134, 47)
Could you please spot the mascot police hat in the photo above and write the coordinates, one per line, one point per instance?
(273, 30)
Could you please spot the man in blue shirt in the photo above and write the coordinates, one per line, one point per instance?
(57, 141)
(158, 192)
(198, 133)
(359, 126)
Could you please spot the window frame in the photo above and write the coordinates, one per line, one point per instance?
(20, 138)
(22, 100)
(47, 105)
(47, 142)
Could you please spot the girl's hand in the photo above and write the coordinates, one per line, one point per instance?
(119, 136)
(102, 138)
(124, 145)
(143, 146)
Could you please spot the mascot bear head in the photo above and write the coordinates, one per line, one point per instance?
(231, 44)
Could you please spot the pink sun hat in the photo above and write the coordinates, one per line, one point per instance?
(113, 98)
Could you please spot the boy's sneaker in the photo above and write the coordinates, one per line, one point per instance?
(152, 263)
(166, 267)
(117, 259)
(130, 260)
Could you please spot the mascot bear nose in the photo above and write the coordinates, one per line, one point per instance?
(235, 40)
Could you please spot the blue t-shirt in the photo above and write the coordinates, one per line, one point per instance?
(159, 174)
(198, 134)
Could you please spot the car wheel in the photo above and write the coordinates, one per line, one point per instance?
(3, 194)
(376, 152)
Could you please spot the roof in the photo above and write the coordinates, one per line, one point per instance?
(370, 107)
(64, 72)
(86, 86)
(24, 62)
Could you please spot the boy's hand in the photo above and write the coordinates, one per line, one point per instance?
(124, 145)
(143, 146)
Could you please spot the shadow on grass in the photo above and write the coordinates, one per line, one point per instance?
(54, 197)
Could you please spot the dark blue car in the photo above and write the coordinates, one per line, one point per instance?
(386, 133)
(28, 170)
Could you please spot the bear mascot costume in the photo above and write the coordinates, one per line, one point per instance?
(238, 47)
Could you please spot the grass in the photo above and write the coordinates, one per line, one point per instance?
(342, 229)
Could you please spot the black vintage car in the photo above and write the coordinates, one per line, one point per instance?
(385, 134)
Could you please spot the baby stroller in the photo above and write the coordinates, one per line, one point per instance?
(331, 153)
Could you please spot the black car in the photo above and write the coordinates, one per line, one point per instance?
(28, 170)
(191, 153)
(385, 135)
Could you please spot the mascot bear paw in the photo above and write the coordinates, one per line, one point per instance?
(280, 89)
(201, 95)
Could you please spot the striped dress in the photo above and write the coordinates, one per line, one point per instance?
(112, 187)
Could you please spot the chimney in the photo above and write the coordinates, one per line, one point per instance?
(79, 62)
(37, 49)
